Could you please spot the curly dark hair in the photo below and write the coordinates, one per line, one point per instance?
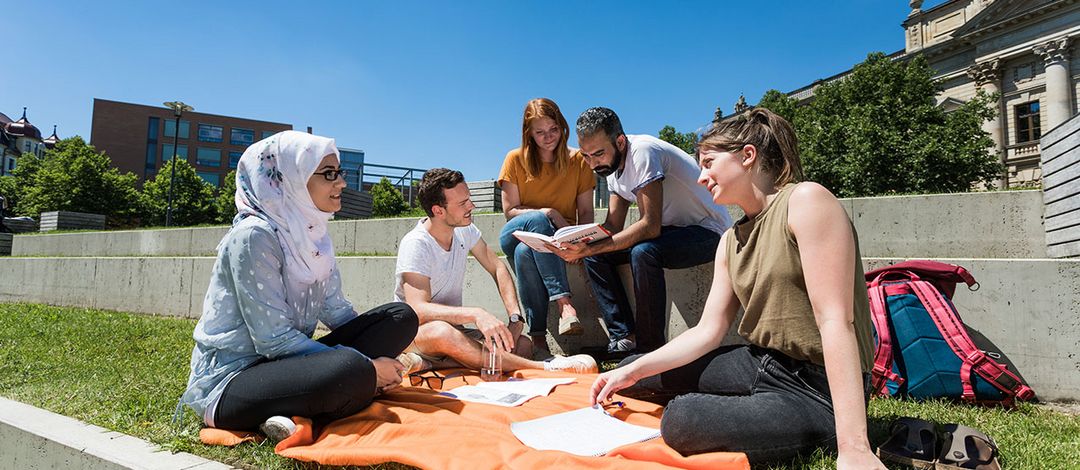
(599, 119)
(432, 185)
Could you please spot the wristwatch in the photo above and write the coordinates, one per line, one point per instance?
(516, 317)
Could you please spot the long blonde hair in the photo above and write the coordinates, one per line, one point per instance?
(773, 136)
(543, 108)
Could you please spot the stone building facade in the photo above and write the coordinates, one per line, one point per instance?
(1024, 50)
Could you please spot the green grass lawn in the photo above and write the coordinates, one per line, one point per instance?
(125, 372)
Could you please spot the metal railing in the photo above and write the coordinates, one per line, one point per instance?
(404, 178)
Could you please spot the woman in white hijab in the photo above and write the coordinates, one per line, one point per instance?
(275, 277)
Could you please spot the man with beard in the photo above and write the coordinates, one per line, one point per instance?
(679, 226)
(430, 277)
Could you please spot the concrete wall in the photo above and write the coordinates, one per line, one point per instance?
(1027, 307)
(1003, 224)
(976, 225)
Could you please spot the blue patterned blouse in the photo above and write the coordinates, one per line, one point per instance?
(252, 313)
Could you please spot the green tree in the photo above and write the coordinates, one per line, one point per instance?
(780, 103)
(879, 131)
(9, 189)
(74, 176)
(225, 201)
(686, 141)
(193, 198)
(386, 200)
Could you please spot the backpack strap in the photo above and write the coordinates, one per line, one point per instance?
(883, 357)
(954, 333)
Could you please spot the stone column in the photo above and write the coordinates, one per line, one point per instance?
(1059, 103)
(987, 76)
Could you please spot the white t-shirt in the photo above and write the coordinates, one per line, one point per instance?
(685, 201)
(419, 253)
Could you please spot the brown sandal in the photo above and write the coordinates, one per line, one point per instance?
(967, 448)
(913, 442)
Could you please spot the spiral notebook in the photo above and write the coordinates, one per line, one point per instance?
(587, 431)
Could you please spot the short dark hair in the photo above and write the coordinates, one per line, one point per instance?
(432, 185)
(598, 119)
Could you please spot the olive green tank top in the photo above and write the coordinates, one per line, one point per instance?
(767, 277)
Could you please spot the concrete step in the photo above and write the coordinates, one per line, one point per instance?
(1005, 224)
(32, 438)
(1028, 307)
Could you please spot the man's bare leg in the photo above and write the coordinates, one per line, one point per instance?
(439, 338)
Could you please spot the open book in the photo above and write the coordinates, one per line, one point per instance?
(585, 233)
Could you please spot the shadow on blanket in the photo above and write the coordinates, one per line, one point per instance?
(416, 426)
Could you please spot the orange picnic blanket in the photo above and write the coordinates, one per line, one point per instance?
(418, 427)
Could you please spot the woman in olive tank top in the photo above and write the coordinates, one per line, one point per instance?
(792, 265)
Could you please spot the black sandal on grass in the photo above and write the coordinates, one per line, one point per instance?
(913, 442)
(967, 448)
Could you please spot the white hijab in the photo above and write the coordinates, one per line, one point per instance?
(271, 184)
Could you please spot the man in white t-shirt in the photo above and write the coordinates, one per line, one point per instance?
(680, 226)
(430, 275)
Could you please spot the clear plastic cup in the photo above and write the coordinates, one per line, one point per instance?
(490, 364)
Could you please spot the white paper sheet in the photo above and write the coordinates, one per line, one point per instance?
(587, 431)
(509, 393)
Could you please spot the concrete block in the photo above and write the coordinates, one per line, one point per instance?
(381, 236)
(1006, 224)
(152, 285)
(32, 438)
(201, 270)
(204, 241)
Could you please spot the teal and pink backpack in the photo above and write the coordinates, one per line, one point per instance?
(923, 348)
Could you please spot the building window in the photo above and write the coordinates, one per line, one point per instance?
(170, 128)
(210, 133)
(234, 159)
(1027, 122)
(167, 151)
(212, 178)
(151, 145)
(266, 134)
(244, 137)
(352, 160)
(208, 157)
(11, 165)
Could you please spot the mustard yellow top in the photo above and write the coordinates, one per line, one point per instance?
(554, 189)
(767, 277)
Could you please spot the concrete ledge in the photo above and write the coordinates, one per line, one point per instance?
(32, 438)
(1005, 224)
(1027, 307)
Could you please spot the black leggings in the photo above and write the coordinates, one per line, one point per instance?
(323, 386)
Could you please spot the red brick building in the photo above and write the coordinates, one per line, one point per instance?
(140, 138)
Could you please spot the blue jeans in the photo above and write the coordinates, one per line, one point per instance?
(541, 277)
(675, 248)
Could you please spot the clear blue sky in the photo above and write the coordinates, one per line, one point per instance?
(424, 84)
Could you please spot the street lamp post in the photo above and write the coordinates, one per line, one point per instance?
(178, 108)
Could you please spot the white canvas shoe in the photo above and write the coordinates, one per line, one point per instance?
(277, 428)
(581, 364)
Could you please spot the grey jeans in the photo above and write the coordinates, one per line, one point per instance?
(743, 399)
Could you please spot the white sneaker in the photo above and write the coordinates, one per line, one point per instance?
(581, 364)
(277, 428)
